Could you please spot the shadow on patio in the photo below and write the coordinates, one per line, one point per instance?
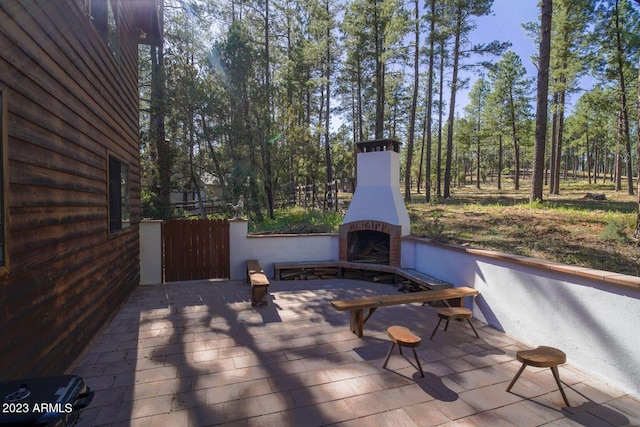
(197, 354)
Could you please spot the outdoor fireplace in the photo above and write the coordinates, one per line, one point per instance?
(377, 217)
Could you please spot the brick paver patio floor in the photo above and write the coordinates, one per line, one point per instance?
(198, 354)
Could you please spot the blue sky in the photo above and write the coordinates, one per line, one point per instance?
(504, 24)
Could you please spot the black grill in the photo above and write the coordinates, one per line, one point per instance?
(47, 401)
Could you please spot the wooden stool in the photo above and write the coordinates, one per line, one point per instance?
(449, 313)
(542, 357)
(404, 338)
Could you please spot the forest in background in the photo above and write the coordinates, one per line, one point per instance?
(253, 98)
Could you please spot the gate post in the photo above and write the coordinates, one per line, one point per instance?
(238, 248)
(150, 252)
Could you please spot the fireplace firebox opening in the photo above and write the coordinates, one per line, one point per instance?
(368, 246)
(370, 242)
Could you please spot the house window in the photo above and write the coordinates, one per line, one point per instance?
(119, 211)
(104, 14)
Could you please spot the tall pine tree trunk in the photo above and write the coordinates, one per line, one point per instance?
(163, 147)
(424, 133)
(440, 114)
(266, 146)
(516, 157)
(560, 131)
(537, 179)
(589, 159)
(500, 154)
(554, 139)
(327, 118)
(595, 162)
(360, 122)
(427, 172)
(516, 143)
(623, 100)
(414, 104)
(379, 51)
(452, 104)
(478, 159)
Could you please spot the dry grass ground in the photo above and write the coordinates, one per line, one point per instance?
(566, 228)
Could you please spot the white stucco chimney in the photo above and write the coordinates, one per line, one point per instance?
(377, 196)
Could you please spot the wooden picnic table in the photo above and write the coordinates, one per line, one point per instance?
(358, 305)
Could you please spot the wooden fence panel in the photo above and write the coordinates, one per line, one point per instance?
(195, 249)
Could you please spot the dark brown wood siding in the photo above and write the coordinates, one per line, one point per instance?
(70, 104)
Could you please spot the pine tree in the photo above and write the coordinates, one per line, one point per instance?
(570, 19)
(476, 114)
(616, 35)
(414, 101)
(463, 12)
(512, 93)
(537, 178)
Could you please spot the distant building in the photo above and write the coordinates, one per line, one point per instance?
(185, 199)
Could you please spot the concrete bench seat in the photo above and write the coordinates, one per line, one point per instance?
(422, 279)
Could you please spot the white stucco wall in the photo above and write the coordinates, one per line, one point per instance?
(580, 311)
(278, 248)
(150, 252)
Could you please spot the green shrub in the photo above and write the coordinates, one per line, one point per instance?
(536, 204)
(299, 220)
(614, 231)
(435, 229)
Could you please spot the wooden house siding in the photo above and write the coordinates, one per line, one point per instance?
(70, 105)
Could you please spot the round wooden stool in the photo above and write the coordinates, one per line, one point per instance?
(457, 313)
(404, 338)
(542, 357)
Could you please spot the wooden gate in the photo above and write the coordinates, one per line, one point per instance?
(195, 249)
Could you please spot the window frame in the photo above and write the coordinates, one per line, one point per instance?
(118, 194)
(104, 15)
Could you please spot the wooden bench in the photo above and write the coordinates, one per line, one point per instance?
(309, 269)
(422, 279)
(304, 270)
(259, 283)
(358, 305)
